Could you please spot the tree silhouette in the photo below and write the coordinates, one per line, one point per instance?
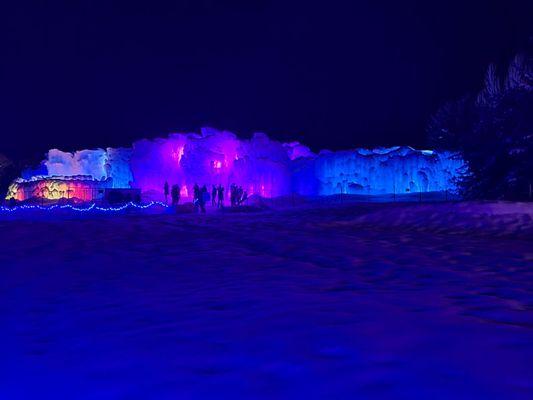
(493, 133)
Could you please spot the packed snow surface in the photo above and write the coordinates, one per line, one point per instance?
(336, 301)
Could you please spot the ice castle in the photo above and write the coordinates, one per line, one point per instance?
(260, 165)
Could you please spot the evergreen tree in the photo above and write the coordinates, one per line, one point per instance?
(492, 133)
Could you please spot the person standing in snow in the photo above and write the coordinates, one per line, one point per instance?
(220, 192)
(202, 195)
(196, 196)
(239, 195)
(233, 194)
(214, 196)
(196, 193)
(175, 195)
(165, 189)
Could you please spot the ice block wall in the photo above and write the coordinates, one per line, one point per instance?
(385, 170)
(83, 162)
(260, 165)
(99, 164)
(117, 167)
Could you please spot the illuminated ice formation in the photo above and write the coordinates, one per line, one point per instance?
(117, 167)
(99, 164)
(385, 170)
(260, 165)
(84, 162)
(297, 150)
(211, 158)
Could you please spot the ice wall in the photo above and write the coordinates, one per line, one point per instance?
(260, 165)
(297, 150)
(212, 157)
(117, 167)
(113, 164)
(304, 180)
(385, 170)
(83, 162)
(263, 166)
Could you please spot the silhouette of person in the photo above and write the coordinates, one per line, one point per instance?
(239, 195)
(196, 193)
(165, 189)
(214, 196)
(233, 194)
(175, 195)
(202, 195)
(220, 196)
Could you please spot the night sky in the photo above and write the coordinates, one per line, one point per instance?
(331, 74)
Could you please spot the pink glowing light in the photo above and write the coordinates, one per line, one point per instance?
(177, 154)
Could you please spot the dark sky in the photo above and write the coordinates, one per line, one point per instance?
(332, 74)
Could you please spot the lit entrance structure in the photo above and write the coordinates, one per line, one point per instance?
(79, 187)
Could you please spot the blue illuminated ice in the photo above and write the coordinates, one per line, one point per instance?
(83, 162)
(386, 170)
(117, 167)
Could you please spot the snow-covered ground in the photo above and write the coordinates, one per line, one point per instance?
(329, 301)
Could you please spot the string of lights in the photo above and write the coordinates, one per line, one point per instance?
(92, 207)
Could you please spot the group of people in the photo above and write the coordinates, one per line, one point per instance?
(175, 193)
(217, 196)
(200, 195)
(237, 195)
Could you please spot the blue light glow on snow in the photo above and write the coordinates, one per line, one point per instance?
(92, 207)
